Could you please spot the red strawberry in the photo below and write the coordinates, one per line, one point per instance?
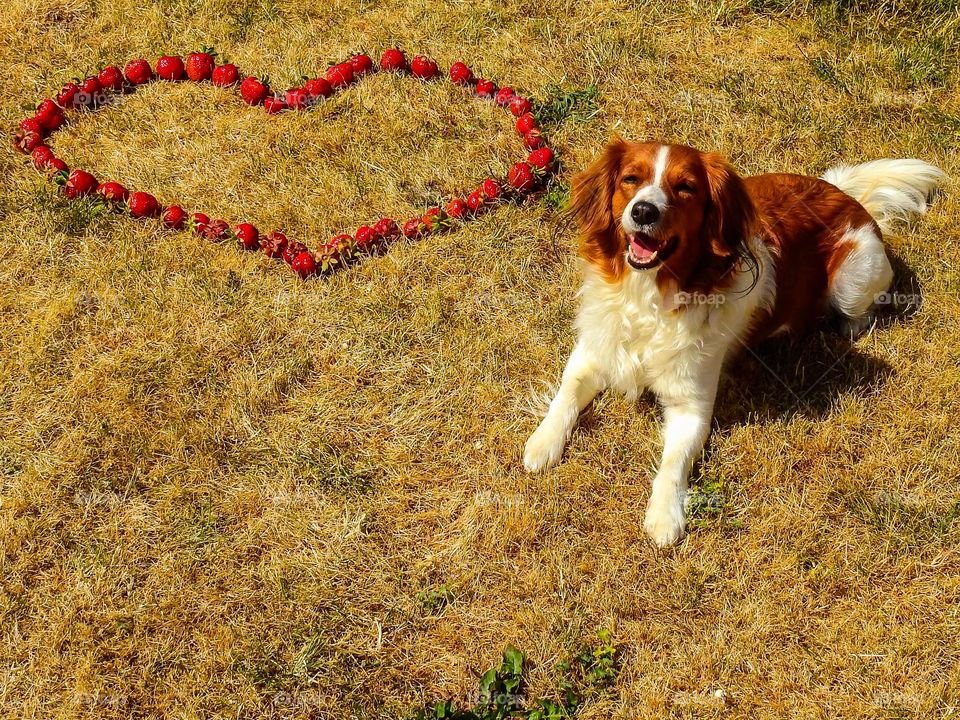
(393, 59)
(296, 98)
(89, 95)
(67, 95)
(423, 67)
(200, 65)
(386, 229)
(339, 76)
(475, 200)
(362, 64)
(248, 236)
(56, 166)
(525, 123)
(292, 249)
(318, 87)
(111, 78)
(486, 88)
(199, 222)
(457, 208)
(460, 74)
(225, 75)
(174, 217)
(27, 142)
(112, 192)
(533, 139)
(41, 156)
(79, 184)
(273, 244)
(273, 105)
(49, 115)
(253, 91)
(170, 67)
(31, 124)
(413, 228)
(304, 265)
(143, 205)
(365, 238)
(521, 177)
(216, 230)
(138, 72)
(434, 218)
(541, 159)
(337, 252)
(519, 105)
(490, 189)
(504, 96)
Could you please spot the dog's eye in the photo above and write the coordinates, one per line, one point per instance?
(630, 180)
(686, 188)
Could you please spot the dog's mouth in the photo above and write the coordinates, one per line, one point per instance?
(645, 252)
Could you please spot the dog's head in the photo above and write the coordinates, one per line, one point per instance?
(669, 209)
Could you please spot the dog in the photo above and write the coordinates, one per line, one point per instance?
(686, 262)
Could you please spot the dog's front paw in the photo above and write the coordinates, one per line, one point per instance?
(665, 519)
(544, 449)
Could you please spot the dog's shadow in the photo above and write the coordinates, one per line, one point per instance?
(786, 376)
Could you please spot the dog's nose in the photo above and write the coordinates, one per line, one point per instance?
(644, 213)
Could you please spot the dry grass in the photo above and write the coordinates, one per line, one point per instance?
(220, 484)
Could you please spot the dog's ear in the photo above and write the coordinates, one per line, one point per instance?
(731, 216)
(591, 207)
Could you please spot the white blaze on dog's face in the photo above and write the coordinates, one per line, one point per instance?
(644, 212)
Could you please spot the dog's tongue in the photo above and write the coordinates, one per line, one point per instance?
(642, 247)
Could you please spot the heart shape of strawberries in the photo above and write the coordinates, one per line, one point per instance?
(341, 250)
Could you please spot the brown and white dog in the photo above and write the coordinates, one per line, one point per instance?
(686, 261)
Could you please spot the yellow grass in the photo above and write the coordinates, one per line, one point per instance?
(222, 490)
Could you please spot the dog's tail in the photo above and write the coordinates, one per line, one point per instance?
(891, 190)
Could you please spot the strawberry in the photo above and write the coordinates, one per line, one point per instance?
(542, 159)
(253, 91)
(199, 222)
(423, 67)
(174, 217)
(457, 208)
(413, 228)
(339, 76)
(490, 189)
(362, 64)
(41, 156)
(170, 67)
(138, 72)
(525, 123)
(112, 192)
(460, 74)
(66, 98)
(519, 105)
(225, 75)
(292, 249)
(336, 253)
(365, 238)
(274, 105)
(434, 219)
(56, 166)
(79, 184)
(393, 59)
(111, 78)
(248, 236)
(200, 65)
(386, 229)
(31, 124)
(49, 115)
(216, 230)
(27, 142)
(504, 96)
(143, 205)
(486, 88)
(304, 265)
(296, 98)
(533, 138)
(475, 200)
(89, 94)
(273, 244)
(318, 87)
(521, 177)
